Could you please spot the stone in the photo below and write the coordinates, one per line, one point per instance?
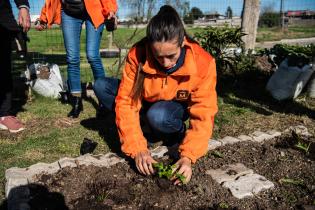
(274, 133)
(300, 130)
(229, 140)
(229, 172)
(259, 136)
(67, 162)
(39, 168)
(15, 172)
(248, 185)
(245, 138)
(213, 144)
(14, 183)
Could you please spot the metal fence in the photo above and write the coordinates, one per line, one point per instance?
(47, 46)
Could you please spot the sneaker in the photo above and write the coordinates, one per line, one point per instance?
(11, 123)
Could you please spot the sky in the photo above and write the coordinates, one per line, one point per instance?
(208, 5)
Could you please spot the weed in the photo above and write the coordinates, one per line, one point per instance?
(217, 154)
(166, 171)
(223, 205)
(292, 181)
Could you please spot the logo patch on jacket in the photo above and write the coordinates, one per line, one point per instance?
(182, 95)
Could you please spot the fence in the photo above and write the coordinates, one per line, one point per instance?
(275, 15)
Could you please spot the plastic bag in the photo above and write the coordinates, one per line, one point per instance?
(288, 81)
(45, 79)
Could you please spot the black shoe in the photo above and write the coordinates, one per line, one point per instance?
(77, 107)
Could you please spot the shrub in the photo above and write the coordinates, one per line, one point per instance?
(217, 41)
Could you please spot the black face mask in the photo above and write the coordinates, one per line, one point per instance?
(179, 63)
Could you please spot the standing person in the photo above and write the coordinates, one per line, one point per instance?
(71, 17)
(168, 78)
(8, 29)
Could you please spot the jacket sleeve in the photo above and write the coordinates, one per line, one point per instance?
(127, 112)
(203, 108)
(108, 6)
(51, 12)
(19, 3)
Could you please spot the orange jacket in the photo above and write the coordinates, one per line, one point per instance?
(197, 76)
(97, 10)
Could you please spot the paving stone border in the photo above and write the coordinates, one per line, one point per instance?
(17, 179)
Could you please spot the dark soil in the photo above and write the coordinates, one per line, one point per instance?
(121, 187)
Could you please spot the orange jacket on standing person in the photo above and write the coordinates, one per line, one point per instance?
(193, 83)
(98, 10)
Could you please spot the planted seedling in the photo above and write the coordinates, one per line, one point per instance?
(166, 171)
(304, 146)
(217, 154)
(292, 181)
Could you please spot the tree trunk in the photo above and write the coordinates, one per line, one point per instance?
(250, 17)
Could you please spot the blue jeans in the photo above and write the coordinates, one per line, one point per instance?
(71, 29)
(165, 118)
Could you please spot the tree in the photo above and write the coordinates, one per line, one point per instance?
(229, 12)
(250, 17)
(269, 17)
(179, 5)
(151, 4)
(196, 13)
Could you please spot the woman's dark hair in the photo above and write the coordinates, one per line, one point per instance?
(165, 26)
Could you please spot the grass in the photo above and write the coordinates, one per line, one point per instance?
(276, 33)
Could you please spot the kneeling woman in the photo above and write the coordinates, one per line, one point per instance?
(168, 78)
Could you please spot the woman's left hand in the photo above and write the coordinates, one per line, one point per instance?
(183, 167)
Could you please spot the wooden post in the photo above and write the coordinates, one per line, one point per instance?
(250, 17)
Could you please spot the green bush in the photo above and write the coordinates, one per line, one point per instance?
(217, 41)
(297, 55)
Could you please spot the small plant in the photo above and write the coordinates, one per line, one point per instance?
(217, 154)
(292, 181)
(166, 171)
(223, 205)
(304, 146)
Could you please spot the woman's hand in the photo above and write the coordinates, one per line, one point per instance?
(24, 19)
(39, 25)
(183, 167)
(144, 163)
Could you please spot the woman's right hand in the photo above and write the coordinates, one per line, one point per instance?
(39, 25)
(144, 162)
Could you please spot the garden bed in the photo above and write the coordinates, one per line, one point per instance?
(120, 187)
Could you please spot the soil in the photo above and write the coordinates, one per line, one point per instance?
(121, 187)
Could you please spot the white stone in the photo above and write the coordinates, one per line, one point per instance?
(39, 168)
(259, 136)
(274, 133)
(229, 140)
(159, 151)
(248, 185)
(213, 144)
(300, 130)
(15, 172)
(67, 162)
(229, 172)
(245, 138)
(13, 183)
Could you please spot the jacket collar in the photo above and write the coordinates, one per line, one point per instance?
(188, 68)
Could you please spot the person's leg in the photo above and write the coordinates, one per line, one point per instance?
(106, 90)
(93, 41)
(167, 118)
(71, 29)
(7, 121)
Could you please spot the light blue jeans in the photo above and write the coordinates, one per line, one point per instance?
(71, 29)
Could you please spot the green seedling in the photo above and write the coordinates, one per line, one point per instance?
(291, 181)
(303, 146)
(167, 172)
(217, 154)
(300, 144)
(223, 205)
